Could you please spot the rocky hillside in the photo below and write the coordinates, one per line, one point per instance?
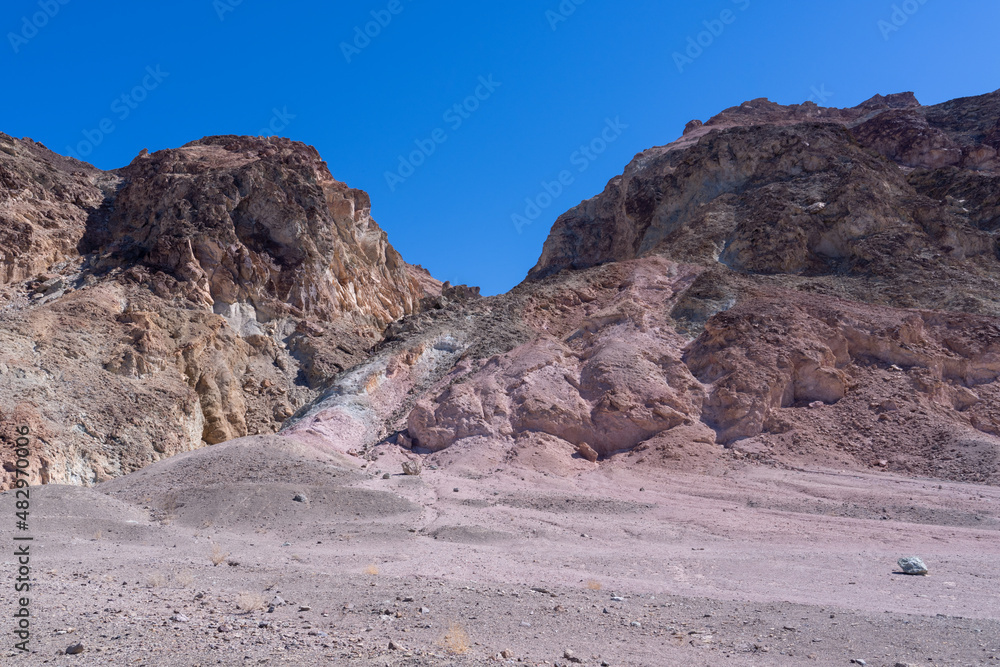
(795, 285)
(194, 296)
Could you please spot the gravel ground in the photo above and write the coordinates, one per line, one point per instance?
(736, 564)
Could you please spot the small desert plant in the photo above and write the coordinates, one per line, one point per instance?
(156, 580)
(372, 569)
(456, 640)
(594, 585)
(218, 556)
(250, 601)
(97, 535)
(184, 578)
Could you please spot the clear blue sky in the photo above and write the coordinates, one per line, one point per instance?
(225, 66)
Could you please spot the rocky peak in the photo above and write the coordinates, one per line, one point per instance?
(809, 194)
(257, 221)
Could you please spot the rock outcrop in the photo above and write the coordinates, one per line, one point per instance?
(787, 284)
(194, 296)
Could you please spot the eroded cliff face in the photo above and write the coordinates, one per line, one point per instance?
(798, 285)
(194, 296)
(889, 202)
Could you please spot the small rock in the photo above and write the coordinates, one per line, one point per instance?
(179, 618)
(636, 624)
(300, 498)
(587, 452)
(225, 627)
(615, 598)
(305, 607)
(525, 624)
(74, 649)
(912, 565)
(816, 404)
(859, 661)
(386, 476)
(569, 656)
(277, 601)
(425, 610)
(411, 467)
(393, 646)
(506, 654)
(286, 544)
(455, 489)
(264, 624)
(692, 125)
(816, 208)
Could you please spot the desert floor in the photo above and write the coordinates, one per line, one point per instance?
(730, 563)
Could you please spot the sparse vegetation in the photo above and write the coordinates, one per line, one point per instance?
(594, 585)
(156, 580)
(184, 578)
(372, 569)
(456, 641)
(218, 556)
(247, 601)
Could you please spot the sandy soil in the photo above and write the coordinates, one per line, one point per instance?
(727, 563)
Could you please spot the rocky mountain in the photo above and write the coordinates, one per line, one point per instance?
(195, 296)
(789, 284)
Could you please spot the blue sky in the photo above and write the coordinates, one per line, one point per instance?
(545, 89)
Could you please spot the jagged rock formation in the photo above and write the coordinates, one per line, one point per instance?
(800, 285)
(194, 296)
(824, 197)
(746, 286)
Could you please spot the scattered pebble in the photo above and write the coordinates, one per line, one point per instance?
(74, 649)
(300, 498)
(179, 618)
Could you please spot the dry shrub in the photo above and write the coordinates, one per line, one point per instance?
(156, 580)
(250, 601)
(218, 556)
(184, 578)
(594, 585)
(456, 641)
(372, 569)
